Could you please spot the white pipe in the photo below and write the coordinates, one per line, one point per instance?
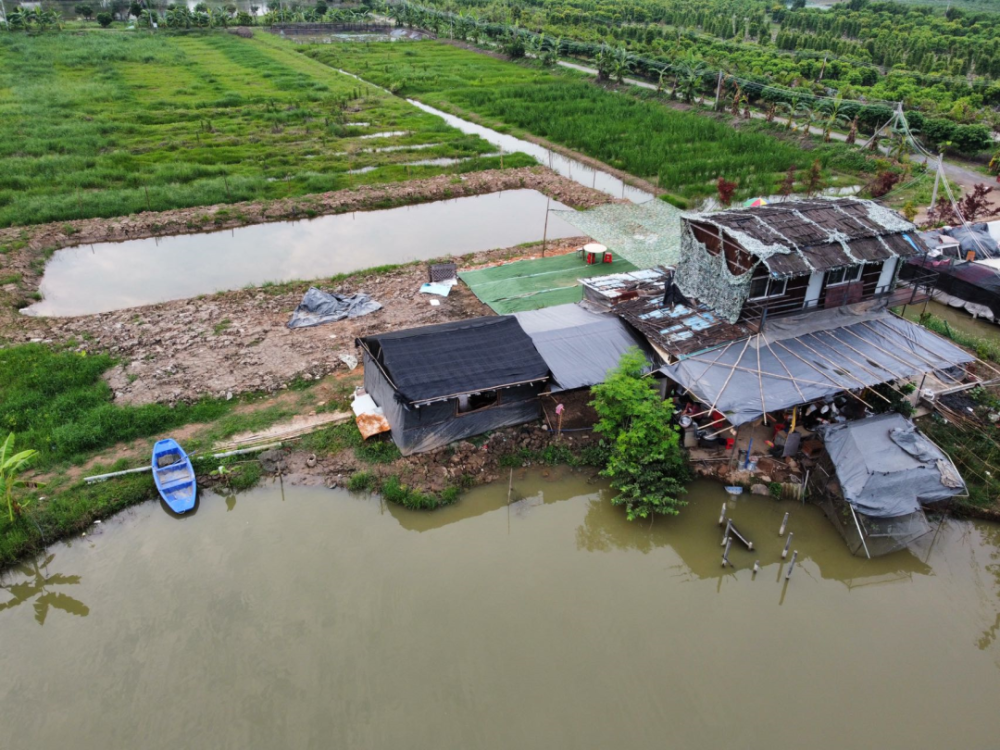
(102, 477)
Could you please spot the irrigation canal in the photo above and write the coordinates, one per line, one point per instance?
(116, 275)
(313, 618)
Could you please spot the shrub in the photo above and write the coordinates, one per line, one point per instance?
(646, 464)
(104, 19)
(362, 481)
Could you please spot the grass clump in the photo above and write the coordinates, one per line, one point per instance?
(362, 481)
(111, 124)
(683, 152)
(394, 491)
(58, 404)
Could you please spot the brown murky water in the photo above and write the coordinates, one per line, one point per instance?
(315, 619)
(117, 275)
(958, 319)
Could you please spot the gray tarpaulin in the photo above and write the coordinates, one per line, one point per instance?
(319, 307)
(766, 373)
(580, 346)
(886, 468)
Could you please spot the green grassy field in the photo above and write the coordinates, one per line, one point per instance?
(107, 123)
(685, 151)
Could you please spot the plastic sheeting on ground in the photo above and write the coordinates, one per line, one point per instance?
(450, 359)
(533, 284)
(746, 378)
(319, 307)
(646, 234)
(887, 468)
(580, 346)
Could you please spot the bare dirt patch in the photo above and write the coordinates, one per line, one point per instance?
(179, 351)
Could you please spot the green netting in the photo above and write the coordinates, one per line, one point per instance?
(533, 284)
(646, 234)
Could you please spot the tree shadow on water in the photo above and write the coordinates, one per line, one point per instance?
(37, 588)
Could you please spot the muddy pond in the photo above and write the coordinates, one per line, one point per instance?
(116, 275)
(295, 617)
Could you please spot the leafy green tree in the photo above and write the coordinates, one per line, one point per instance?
(104, 19)
(84, 11)
(11, 466)
(645, 462)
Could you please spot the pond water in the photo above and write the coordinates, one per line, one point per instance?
(314, 618)
(115, 275)
(957, 318)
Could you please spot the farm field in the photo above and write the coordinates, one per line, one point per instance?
(106, 124)
(684, 152)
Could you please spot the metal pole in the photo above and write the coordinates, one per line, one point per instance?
(784, 523)
(937, 180)
(788, 543)
(545, 231)
(860, 534)
(722, 517)
(725, 534)
(718, 90)
(3, 9)
(725, 555)
(791, 565)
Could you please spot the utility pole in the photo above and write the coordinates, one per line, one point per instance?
(937, 180)
(3, 10)
(718, 90)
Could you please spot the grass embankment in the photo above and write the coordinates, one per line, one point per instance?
(975, 448)
(107, 123)
(56, 402)
(684, 152)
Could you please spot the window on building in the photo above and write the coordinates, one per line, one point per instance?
(478, 401)
(764, 286)
(843, 275)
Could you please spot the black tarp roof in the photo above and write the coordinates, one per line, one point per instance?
(449, 359)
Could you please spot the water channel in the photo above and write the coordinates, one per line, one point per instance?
(313, 618)
(115, 275)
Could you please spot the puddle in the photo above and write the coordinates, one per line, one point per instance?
(115, 275)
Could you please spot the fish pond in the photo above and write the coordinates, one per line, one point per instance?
(115, 275)
(305, 617)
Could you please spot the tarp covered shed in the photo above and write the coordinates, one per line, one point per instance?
(579, 346)
(442, 383)
(887, 468)
(749, 377)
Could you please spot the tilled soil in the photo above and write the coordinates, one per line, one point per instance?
(236, 342)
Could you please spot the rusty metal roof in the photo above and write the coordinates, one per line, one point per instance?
(798, 237)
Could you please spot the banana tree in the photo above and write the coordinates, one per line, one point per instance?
(11, 466)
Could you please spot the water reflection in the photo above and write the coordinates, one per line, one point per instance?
(36, 590)
(517, 498)
(116, 275)
(695, 536)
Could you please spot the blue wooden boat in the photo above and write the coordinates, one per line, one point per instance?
(174, 475)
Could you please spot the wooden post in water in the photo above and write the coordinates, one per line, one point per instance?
(784, 522)
(791, 565)
(788, 543)
(725, 555)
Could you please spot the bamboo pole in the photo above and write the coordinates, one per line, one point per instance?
(731, 373)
